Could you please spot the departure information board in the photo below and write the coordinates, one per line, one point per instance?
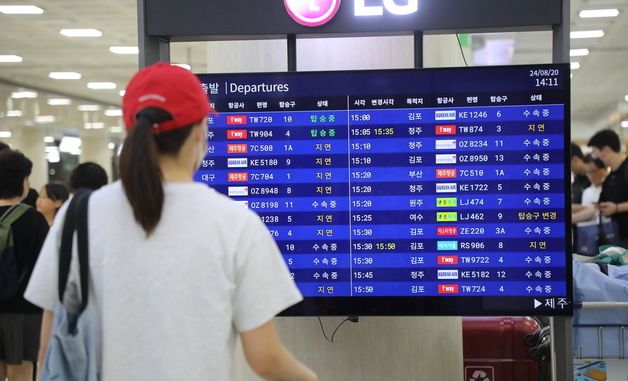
(404, 192)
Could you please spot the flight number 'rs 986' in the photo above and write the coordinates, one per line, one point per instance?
(472, 245)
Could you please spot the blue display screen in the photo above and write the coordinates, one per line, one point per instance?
(404, 192)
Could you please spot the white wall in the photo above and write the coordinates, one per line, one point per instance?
(375, 349)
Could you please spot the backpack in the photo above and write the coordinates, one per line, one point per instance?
(10, 279)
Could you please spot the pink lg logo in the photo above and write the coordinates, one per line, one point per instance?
(312, 12)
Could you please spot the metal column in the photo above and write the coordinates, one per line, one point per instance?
(292, 52)
(418, 49)
(152, 49)
(562, 326)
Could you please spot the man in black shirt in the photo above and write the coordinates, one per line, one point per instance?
(614, 198)
(20, 320)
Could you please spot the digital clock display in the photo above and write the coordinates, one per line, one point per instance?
(404, 192)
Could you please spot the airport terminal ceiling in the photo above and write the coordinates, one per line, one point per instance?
(599, 84)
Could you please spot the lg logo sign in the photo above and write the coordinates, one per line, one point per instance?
(409, 7)
(319, 12)
(312, 12)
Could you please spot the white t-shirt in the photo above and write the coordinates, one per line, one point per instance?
(591, 194)
(170, 305)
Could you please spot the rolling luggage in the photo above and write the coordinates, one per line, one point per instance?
(495, 348)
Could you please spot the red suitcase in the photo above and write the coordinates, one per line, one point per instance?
(494, 349)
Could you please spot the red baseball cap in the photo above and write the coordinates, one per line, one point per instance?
(170, 88)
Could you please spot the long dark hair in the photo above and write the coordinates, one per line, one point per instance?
(139, 164)
(57, 192)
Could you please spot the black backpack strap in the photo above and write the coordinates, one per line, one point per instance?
(75, 221)
(83, 249)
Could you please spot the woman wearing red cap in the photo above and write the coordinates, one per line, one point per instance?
(178, 271)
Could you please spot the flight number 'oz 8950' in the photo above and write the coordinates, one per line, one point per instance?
(473, 158)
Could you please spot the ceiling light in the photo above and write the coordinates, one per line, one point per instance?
(113, 112)
(59, 101)
(575, 65)
(64, 75)
(52, 154)
(80, 32)
(20, 10)
(124, 50)
(111, 146)
(185, 66)
(94, 125)
(115, 129)
(14, 113)
(591, 13)
(122, 92)
(626, 98)
(88, 108)
(587, 34)
(5, 134)
(579, 52)
(101, 85)
(45, 119)
(49, 139)
(5, 58)
(70, 144)
(23, 94)
(624, 124)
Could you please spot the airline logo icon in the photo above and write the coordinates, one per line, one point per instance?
(238, 191)
(446, 173)
(446, 216)
(237, 162)
(447, 274)
(450, 202)
(237, 148)
(446, 246)
(445, 115)
(446, 187)
(447, 259)
(237, 177)
(446, 144)
(244, 203)
(450, 289)
(448, 158)
(312, 13)
(236, 120)
(447, 231)
(236, 134)
(448, 129)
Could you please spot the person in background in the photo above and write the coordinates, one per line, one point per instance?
(180, 271)
(87, 175)
(580, 181)
(20, 320)
(31, 197)
(596, 171)
(51, 197)
(614, 197)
